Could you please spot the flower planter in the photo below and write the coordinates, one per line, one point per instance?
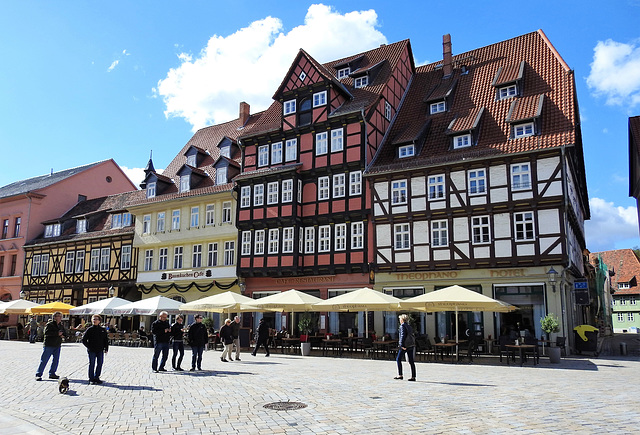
(554, 354)
(305, 349)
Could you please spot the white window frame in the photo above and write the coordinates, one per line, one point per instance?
(226, 212)
(289, 107)
(621, 317)
(245, 196)
(163, 258)
(401, 235)
(387, 110)
(287, 240)
(212, 254)
(300, 191)
(291, 150)
(195, 216)
(322, 143)
(440, 233)
(436, 187)
(272, 193)
(116, 220)
(259, 242)
(178, 252)
(105, 259)
(343, 72)
(320, 99)
(35, 265)
(229, 253)
(521, 176)
(79, 268)
(623, 285)
(507, 92)
(221, 175)
(337, 140)
(287, 191)
(94, 264)
(340, 236)
(323, 188)
(151, 190)
(258, 194)
(309, 240)
(81, 226)
(477, 179)
(196, 256)
(357, 235)
(276, 153)
(405, 151)
(146, 224)
(355, 183)
(480, 230)
(185, 183)
(160, 221)
(324, 238)
(437, 107)
(210, 214)
(175, 220)
(630, 316)
(339, 185)
(44, 265)
(126, 219)
(125, 257)
(148, 260)
(69, 262)
(523, 130)
(191, 160)
(399, 192)
(523, 223)
(462, 141)
(263, 155)
(361, 82)
(274, 241)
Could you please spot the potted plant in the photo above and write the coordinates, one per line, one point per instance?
(304, 326)
(551, 325)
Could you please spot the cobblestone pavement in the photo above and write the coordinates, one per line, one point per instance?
(344, 395)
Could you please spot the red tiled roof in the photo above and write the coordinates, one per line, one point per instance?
(545, 73)
(466, 122)
(626, 266)
(525, 108)
(509, 74)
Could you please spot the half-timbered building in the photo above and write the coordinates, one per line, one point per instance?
(480, 182)
(304, 212)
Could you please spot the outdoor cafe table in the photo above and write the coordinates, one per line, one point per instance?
(334, 344)
(386, 346)
(442, 347)
(291, 343)
(522, 348)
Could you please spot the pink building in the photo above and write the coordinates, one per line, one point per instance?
(25, 204)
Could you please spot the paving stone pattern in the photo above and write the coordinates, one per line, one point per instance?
(344, 395)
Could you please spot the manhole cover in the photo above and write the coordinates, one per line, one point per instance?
(285, 406)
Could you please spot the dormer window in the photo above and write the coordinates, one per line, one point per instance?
(185, 183)
(81, 226)
(361, 82)
(221, 175)
(52, 230)
(523, 130)
(343, 72)
(151, 190)
(507, 92)
(406, 151)
(289, 107)
(437, 107)
(462, 141)
(225, 151)
(191, 160)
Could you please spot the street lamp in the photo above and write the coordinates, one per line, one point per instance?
(111, 291)
(552, 275)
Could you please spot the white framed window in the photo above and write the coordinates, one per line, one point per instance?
(160, 222)
(263, 155)
(324, 238)
(521, 176)
(343, 72)
(355, 183)
(276, 152)
(309, 240)
(336, 140)
(524, 225)
(301, 240)
(185, 183)
(148, 259)
(81, 226)
(480, 230)
(52, 230)
(116, 220)
(225, 151)
(126, 219)
(226, 212)
(291, 150)
(300, 191)
(477, 181)
(221, 175)
(105, 259)
(44, 265)
(319, 98)
(321, 143)
(439, 233)
(338, 185)
(195, 217)
(620, 317)
(287, 240)
(340, 236)
(146, 224)
(69, 262)
(35, 265)
(406, 151)
(401, 236)
(357, 235)
(177, 257)
(462, 141)
(289, 107)
(125, 257)
(163, 258)
(272, 193)
(80, 261)
(523, 130)
(151, 190)
(274, 240)
(287, 190)
(94, 265)
(623, 285)
(175, 220)
(507, 92)
(437, 107)
(630, 317)
(210, 214)
(229, 253)
(259, 243)
(196, 256)
(191, 160)
(399, 192)
(387, 110)
(258, 194)
(435, 184)
(245, 196)
(212, 254)
(632, 300)
(623, 301)
(361, 82)
(323, 188)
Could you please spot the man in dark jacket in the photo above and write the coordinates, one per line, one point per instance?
(177, 336)
(198, 338)
(96, 341)
(235, 332)
(263, 337)
(53, 333)
(161, 330)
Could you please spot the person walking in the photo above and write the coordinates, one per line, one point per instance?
(177, 335)
(96, 341)
(198, 338)
(226, 336)
(406, 345)
(53, 333)
(235, 331)
(263, 338)
(33, 329)
(161, 330)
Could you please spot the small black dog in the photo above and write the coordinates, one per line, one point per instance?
(63, 385)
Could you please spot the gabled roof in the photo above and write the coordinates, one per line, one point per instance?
(626, 266)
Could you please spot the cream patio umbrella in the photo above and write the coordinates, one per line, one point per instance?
(292, 301)
(18, 306)
(51, 308)
(149, 307)
(222, 302)
(364, 299)
(104, 307)
(455, 298)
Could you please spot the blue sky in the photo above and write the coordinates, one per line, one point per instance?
(87, 81)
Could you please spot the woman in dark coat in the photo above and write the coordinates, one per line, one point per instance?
(96, 341)
(406, 345)
(226, 336)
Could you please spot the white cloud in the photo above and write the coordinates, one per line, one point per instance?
(615, 72)
(609, 225)
(250, 64)
(113, 65)
(136, 175)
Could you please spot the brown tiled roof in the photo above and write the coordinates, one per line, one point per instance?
(525, 108)
(466, 122)
(545, 73)
(626, 266)
(267, 171)
(509, 74)
(441, 90)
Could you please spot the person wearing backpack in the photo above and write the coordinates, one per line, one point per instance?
(406, 345)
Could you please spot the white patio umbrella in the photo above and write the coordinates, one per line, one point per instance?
(293, 301)
(456, 298)
(223, 302)
(104, 307)
(149, 307)
(18, 306)
(364, 299)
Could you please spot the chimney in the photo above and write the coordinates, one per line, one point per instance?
(244, 112)
(447, 66)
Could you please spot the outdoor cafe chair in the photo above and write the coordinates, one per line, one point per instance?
(561, 343)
